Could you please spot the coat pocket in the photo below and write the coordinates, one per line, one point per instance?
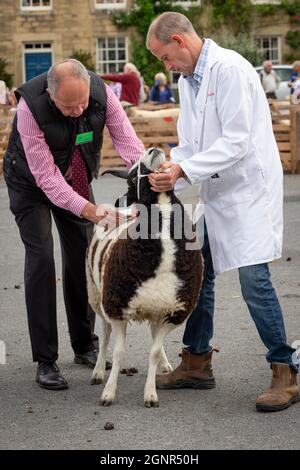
(230, 187)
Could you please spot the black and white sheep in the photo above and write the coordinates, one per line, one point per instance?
(139, 278)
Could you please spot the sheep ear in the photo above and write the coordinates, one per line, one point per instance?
(133, 172)
(119, 173)
(126, 199)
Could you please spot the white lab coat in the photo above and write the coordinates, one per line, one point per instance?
(226, 132)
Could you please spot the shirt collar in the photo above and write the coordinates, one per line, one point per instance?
(200, 66)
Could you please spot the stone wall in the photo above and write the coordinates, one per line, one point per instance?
(77, 25)
(68, 25)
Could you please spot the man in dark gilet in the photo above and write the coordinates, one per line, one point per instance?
(52, 156)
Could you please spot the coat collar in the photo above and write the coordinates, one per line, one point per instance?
(214, 54)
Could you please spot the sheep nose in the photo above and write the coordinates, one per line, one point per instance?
(154, 153)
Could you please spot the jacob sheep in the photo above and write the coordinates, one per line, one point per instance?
(135, 277)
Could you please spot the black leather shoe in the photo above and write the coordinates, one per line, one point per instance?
(48, 376)
(89, 359)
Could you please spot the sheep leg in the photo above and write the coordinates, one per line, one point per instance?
(93, 293)
(150, 395)
(163, 363)
(109, 392)
(99, 370)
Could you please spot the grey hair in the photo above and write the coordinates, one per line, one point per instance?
(267, 62)
(130, 66)
(167, 24)
(161, 76)
(75, 69)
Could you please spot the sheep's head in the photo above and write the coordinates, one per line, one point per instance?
(138, 185)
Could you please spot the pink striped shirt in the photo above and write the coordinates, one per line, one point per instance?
(47, 175)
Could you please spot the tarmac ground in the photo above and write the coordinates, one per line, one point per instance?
(222, 418)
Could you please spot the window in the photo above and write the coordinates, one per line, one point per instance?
(37, 45)
(260, 2)
(110, 4)
(270, 48)
(174, 77)
(111, 54)
(36, 4)
(187, 3)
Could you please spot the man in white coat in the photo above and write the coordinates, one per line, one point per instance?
(226, 142)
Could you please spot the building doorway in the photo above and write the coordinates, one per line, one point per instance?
(37, 59)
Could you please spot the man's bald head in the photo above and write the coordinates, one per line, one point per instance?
(69, 68)
(167, 24)
(69, 87)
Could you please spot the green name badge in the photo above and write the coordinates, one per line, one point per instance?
(84, 138)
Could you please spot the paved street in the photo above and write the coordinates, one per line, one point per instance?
(223, 418)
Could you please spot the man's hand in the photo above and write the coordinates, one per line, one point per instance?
(166, 178)
(101, 212)
(109, 217)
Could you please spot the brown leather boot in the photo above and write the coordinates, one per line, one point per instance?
(195, 371)
(282, 392)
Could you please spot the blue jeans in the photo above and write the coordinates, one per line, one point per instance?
(261, 300)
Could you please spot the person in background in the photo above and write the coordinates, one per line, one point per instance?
(294, 76)
(3, 92)
(131, 84)
(52, 156)
(116, 88)
(269, 79)
(7, 97)
(295, 97)
(161, 92)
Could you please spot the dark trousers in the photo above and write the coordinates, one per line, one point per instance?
(32, 212)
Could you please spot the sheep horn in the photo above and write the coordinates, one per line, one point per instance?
(120, 173)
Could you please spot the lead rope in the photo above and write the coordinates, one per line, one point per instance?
(139, 176)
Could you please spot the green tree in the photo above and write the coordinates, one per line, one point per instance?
(85, 58)
(292, 8)
(242, 43)
(4, 75)
(140, 17)
(234, 13)
(293, 39)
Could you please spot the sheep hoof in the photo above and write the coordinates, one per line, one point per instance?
(152, 404)
(166, 368)
(107, 398)
(105, 401)
(151, 400)
(96, 380)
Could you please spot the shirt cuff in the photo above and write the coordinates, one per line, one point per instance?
(77, 205)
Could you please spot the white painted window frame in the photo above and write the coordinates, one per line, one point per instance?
(279, 46)
(97, 50)
(110, 5)
(270, 2)
(188, 3)
(36, 8)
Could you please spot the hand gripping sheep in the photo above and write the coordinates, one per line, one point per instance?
(140, 271)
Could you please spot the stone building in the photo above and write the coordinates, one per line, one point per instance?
(36, 33)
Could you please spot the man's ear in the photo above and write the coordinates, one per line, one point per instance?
(179, 39)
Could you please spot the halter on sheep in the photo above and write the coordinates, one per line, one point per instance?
(142, 278)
